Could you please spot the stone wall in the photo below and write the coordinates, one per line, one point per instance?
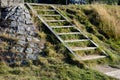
(8, 3)
(17, 23)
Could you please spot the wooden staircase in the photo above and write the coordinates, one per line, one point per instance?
(73, 39)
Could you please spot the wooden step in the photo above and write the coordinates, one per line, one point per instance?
(79, 40)
(55, 20)
(50, 15)
(68, 33)
(61, 26)
(82, 49)
(92, 57)
(45, 10)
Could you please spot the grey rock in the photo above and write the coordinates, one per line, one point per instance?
(12, 35)
(21, 30)
(21, 42)
(13, 24)
(12, 17)
(29, 50)
(42, 46)
(31, 56)
(28, 29)
(12, 31)
(28, 22)
(29, 38)
(23, 38)
(17, 14)
(32, 33)
(27, 16)
(20, 55)
(26, 11)
(20, 19)
(37, 51)
(32, 45)
(36, 39)
(18, 49)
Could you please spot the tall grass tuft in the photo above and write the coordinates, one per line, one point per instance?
(106, 18)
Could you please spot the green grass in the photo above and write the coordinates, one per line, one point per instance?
(89, 52)
(65, 23)
(42, 7)
(65, 30)
(72, 36)
(55, 63)
(46, 12)
(81, 44)
(53, 18)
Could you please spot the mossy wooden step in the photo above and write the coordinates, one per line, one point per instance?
(68, 33)
(82, 48)
(76, 40)
(45, 10)
(92, 57)
(108, 70)
(49, 15)
(55, 20)
(61, 26)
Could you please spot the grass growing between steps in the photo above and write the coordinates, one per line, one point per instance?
(46, 12)
(65, 23)
(81, 44)
(99, 22)
(89, 52)
(65, 30)
(54, 63)
(42, 7)
(72, 36)
(52, 18)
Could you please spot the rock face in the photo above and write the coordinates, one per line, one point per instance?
(8, 3)
(18, 24)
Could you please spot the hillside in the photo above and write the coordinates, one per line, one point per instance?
(99, 22)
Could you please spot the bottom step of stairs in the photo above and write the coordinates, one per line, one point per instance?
(108, 70)
(92, 57)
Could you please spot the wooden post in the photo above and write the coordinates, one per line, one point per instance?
(66, 2)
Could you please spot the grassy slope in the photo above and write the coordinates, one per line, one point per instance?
(101, 23)
(55, 64)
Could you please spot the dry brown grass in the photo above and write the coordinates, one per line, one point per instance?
(110, 19)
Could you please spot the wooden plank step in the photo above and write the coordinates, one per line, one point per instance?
(55, 20)
(45, 10)
(68, 33)
(82, 49)
(115, 74)
(92, 57)
(62, 26)
(50, 15)
(79, 40)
